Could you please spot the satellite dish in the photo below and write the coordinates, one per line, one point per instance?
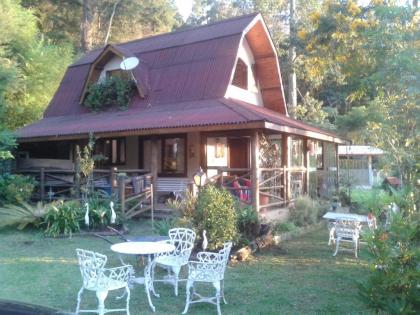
(129, 63)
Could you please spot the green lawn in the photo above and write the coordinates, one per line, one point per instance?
(300, 277)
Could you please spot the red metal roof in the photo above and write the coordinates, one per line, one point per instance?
(211, 112)
(184, 76)
(194, 71)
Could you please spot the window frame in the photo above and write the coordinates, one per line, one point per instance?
(241, 63)
(108, 162)
(163, 139)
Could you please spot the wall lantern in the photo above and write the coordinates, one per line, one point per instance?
(200, 178)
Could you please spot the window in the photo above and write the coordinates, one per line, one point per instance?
(240, 77)
(315, 154)
(173, 156)
(46, 150)
(112, 150)
(296, 152)
(118, 73)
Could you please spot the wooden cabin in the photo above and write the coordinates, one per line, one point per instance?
(206, 97)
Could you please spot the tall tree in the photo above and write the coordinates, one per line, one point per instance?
(88, 24)
(292, 88)
(30, 67)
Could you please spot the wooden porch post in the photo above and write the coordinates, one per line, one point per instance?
(337, 173)
(255, 172)
(121, 191)
(306, 164)
(112, 178)
(286, 165)
(154, 169)
(42, 184)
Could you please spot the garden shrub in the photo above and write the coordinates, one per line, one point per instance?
(370, 200)
(393, 283)
(285, 227)
(100, 210)
(216, 214)
(162, 227)
(63, 218)
(185, 214)
(247, 220)
(304, 211)
(15, 189)
(23, 214)
(113, 91)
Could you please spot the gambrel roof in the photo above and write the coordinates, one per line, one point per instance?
(182, 81)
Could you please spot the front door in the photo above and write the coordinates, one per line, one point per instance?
(238, 152)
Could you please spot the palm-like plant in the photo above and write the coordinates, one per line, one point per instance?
(23, 214)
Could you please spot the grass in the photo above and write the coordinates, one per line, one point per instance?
(300, 277)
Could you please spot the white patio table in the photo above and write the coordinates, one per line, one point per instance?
(148, 249)
(335, 215)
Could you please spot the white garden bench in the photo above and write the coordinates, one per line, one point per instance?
(175, 185)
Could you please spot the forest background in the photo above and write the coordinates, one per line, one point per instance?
(357, 66)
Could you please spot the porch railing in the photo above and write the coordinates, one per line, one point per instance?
(133, 187)
(273, 188)
(236, 180)
(277, 186)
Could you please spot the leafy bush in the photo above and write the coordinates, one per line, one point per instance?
(323, 206)
(247, 220)
(186, 206)
(285, 227)
(23, 214)
(185, 211)
(374, 200)
(304, 211)
(100, 210)
(216, 214)
(393, 283)
(111, 92)
(15, 189)
(63, 218)
(162, 227)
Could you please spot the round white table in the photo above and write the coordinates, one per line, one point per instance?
(144, 248)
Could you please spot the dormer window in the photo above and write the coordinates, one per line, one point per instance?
(118, 73)
(240, 77)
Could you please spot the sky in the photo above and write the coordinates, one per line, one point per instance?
(184, 7)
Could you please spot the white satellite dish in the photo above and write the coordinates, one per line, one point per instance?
(129, 63)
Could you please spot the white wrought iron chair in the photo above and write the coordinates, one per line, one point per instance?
(183, 240)
(210, 268)
(347, 230)
(101, 280)
(331, 229)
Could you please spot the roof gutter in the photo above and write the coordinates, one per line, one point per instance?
(306, 133)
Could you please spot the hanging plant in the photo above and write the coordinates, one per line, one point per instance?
(113, 91)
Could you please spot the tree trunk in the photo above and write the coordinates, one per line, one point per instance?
(86, 26)
(292, 89)
(108, 33)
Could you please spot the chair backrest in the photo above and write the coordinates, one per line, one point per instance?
(183, 239)
(91, 265)
(371, 221)
(224, 253)
(347, 228)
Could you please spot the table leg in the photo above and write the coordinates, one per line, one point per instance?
(148, 282)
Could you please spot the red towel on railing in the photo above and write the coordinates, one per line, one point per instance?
(247, 184)
(238, 192)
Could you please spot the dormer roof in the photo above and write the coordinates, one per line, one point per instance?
(187, 65)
